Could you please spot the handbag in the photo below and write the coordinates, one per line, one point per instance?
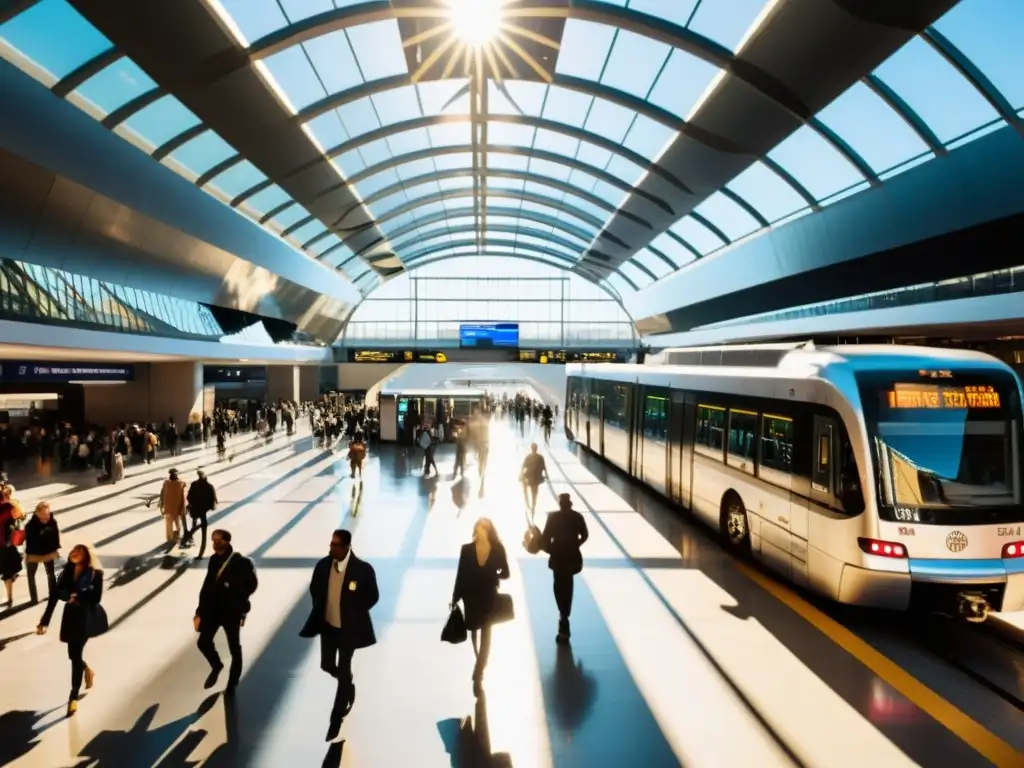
(96, 622)
(504, 609)
(454, 631)
(18, 534)
(532, 538)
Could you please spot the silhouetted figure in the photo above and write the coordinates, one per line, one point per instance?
(565, 531)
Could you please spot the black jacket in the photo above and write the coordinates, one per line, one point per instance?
(227, 597)
(88, 591)
(565, 531)
(358, 595)
(41, 539)
(202, 497)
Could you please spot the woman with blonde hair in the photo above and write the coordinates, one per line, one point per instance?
(483, 563)
(80, 586)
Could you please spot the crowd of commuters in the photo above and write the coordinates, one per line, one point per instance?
(343, 587)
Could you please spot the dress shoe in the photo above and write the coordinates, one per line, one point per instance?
(211, 679)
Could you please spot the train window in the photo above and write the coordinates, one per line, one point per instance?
(656, 418)
(777, 443)
(821, 479)
(710, 431)
(742, 439)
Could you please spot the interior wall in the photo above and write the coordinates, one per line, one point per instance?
(364, 375)
(309, 383)
(283, 383)
(159, 391)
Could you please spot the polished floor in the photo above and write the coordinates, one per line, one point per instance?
(678, 657)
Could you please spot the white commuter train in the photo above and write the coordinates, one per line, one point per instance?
(881, 476)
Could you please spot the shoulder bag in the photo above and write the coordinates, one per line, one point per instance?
(454, 631)
(96, 622)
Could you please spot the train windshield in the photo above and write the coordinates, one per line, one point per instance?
(943, 440)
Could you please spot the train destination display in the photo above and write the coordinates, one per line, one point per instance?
(926, 396)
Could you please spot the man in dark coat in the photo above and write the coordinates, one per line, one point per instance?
(565, 531)
(344, 589)
(202, 499)
(223, 604)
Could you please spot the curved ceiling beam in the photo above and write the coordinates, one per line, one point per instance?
(12, 8)
(458, 173)
(125, 111)
(907, 113)
(584, 10)
(418, 123)
(554, 259)
(496, 212)
(947, 50)
(571, 248)
(531, 197)
(84, 71)
(458, 194)
(507, 149)
(525, 257)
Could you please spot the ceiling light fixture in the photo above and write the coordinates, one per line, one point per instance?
(476, 22)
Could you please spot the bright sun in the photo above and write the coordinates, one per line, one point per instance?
(476, 22)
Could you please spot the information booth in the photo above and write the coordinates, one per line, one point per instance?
(402, 412)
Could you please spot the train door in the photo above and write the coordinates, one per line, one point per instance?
(677, 407)
(596, 432)
(636, 442)
(689, 421)
(654, 437)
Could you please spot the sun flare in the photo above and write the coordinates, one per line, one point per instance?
(476, 22)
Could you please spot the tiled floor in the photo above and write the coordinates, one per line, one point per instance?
(677, 658)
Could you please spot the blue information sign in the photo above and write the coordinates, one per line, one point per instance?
(489, 335)
(61, 372)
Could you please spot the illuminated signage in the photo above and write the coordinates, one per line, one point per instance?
(935, 397)
(396, 356)
(11, 370)
(565, 356)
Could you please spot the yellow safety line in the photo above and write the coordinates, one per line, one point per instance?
(982, 740)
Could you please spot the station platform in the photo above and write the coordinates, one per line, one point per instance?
(681, 656)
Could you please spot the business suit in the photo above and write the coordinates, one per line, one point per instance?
(358, 595)
(223, 604)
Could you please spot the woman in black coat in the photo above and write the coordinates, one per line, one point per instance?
(482, 564)
(565, 531)
(81, 587)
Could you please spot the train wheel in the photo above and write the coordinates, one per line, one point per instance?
(734, 525)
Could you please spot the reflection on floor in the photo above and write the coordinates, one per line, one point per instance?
(672, 661)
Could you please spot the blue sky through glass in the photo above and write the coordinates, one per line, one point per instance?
(988, 32)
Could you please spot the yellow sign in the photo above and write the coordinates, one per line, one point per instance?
(932, 397)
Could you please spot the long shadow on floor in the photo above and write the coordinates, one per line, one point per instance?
(587, 728)
(19, 733)
(468, 741)
(146, 744)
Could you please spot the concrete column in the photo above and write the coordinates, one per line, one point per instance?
(175, 389)
(282, 383)
(309, 383)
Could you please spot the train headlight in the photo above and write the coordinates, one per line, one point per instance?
(1013, 549)
(882, 548)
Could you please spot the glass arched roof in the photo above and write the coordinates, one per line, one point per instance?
(541, 161)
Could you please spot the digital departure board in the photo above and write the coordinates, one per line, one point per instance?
(925, 396)
(396, 356)
(567, 356)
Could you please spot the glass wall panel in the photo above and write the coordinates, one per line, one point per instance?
(551, 307)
